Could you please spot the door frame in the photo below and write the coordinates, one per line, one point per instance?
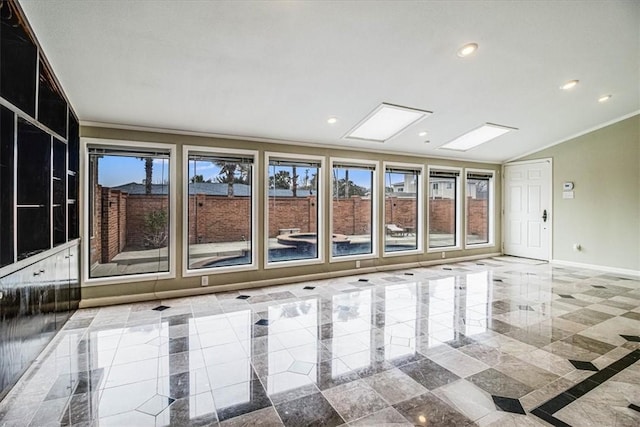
(550, 201)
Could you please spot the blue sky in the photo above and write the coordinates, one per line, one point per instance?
(116, 170)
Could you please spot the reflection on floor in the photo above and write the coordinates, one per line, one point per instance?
(500, 341)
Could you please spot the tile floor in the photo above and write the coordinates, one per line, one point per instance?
(500, 341)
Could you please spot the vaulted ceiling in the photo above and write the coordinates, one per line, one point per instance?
(279, 70)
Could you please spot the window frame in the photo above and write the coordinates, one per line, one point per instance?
(458, 209)
(85, 144)
(490, 212)
(206, 150)
(374, 209)
(320, 196)
(419, 204)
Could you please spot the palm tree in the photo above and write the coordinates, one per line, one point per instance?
(148, 173)
(227, 174)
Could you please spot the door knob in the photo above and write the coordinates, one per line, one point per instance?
(544, 216)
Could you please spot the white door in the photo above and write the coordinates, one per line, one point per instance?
(527, 210)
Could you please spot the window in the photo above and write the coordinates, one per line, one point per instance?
(479, 207)
(220, 208)
(402, 210)
(443, 208)
(131, 211)
(352, 208)
(294, 226)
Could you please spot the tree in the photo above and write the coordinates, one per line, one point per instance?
(155, 229)
(199, 178)
(346, 188)
(281, 180)
(294, 182)
(148, 173)
(227, 174)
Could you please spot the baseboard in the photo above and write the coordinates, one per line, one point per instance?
(607, 269)
(181, 293)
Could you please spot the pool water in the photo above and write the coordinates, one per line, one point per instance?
(307, 252)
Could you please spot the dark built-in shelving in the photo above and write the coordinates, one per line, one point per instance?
(39, 163)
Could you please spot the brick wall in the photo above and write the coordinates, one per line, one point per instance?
(113, 225)
(400, 211)
(137, 209)
(352, 216)
(219, 219)
(96, 239)
(226, 219)
(289, 212)
(442, 216)
(477, 217)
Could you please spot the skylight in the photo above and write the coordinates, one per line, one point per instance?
(385, 122)
(484, 133)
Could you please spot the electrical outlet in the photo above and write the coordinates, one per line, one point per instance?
(443, 255)
(204, 281)
(358, 264)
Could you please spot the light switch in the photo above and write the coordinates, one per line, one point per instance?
(567, 194)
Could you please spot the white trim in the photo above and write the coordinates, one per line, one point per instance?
(374, 209)
(458, 208)
(574, 136)
(206, 150)
(86, 281)
(491, 213)
(318, 145)
(320, 234)
(179, 293)
(419, 204)
(624, 271)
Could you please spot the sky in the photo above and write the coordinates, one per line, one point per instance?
(118, 170)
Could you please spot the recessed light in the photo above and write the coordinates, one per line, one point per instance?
(569, 85)
(478, 136)
(604, 98)
(385, 122)
(423, 133)
(332, 120)
(467, 49)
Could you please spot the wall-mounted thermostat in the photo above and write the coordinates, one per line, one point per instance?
(568, 186)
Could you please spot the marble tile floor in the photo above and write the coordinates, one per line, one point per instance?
(494, 342)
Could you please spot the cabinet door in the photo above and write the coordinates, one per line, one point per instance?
(62, 292)
(7, 140)
(10, 341)
(74, 278)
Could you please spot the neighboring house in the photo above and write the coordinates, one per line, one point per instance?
(406, 186)
(397, 187)
(441, 188)
(444, 189)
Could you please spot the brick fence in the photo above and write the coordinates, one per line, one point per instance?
(121, 222)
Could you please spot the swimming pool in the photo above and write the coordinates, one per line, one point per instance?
(304, 252)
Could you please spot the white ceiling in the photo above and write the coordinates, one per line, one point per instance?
(278, 70)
